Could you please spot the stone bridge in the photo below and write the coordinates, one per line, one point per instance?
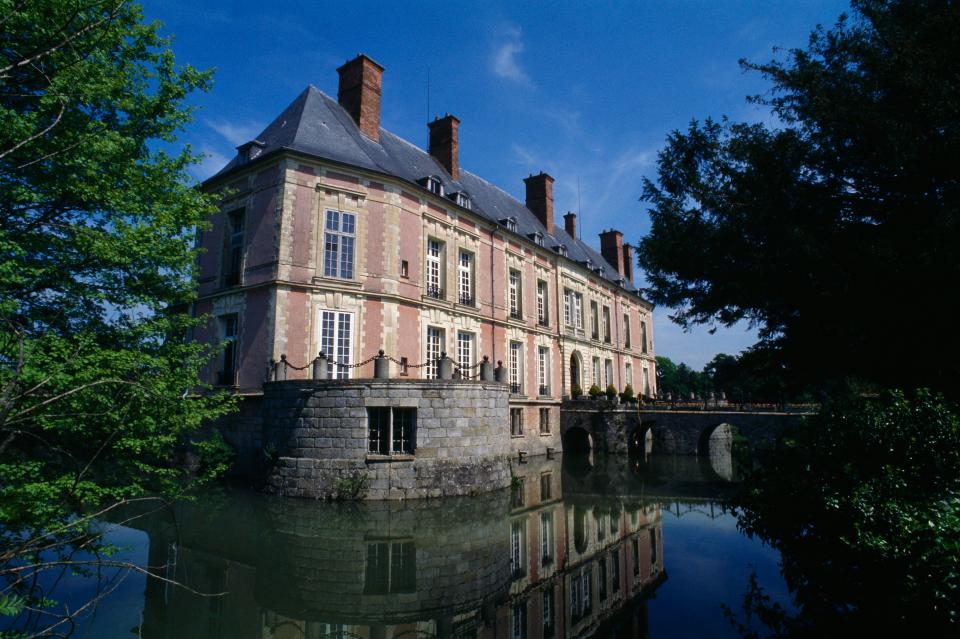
(621, 429)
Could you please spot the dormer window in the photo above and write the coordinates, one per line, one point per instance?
(537, 238)
(561, 249)
(510, 223)
(588, 263)
(620, 282)
(601, 271)
(462, 199)
(433, 184)
(249, 151)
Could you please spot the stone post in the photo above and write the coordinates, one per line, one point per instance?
(500, 374)
(282, 368)
(320, 366)
(381, 366)
(486, 370)
(445, 366)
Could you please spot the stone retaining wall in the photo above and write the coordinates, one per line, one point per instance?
(317, 434)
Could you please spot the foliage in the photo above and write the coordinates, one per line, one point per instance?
(611, 391)
(576, 391)
(680, 380)
(97, 384)
(863, 503)
(351, 485)
(810, 227)
(595, 391)
(628, 395)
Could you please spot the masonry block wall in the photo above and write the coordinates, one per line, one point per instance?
(321, 438)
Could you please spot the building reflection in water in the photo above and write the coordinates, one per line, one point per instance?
(560, 555)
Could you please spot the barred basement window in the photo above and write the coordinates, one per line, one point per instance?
(391, 430)
(516, 422)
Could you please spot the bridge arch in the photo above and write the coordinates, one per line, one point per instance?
(715, 448)
(640, 439)
(577, 440)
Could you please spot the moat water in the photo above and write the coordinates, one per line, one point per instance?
(582, 546)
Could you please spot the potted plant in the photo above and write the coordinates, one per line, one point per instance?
(611, 392)
(576, 392)
(595, 392)
(627, 395)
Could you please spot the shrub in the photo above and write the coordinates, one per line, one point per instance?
(627, 394)
(595, 391)
(576, 391)
(611, 392)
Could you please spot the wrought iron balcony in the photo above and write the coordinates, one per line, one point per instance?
(515, 389)
(515, 314)
(544, 391)
(467, 300)
(542, 321)
(435, 292)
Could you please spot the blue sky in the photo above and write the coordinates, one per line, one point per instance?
(585, 91)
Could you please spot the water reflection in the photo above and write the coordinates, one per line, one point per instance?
(574, 549)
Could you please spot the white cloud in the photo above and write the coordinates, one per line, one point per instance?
(233, 132)
(508, 46)
(212, 162)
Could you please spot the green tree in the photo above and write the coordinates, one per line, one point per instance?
(836, 230)
(863, 502)
(97, 383)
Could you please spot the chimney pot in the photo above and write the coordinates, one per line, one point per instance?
(444, 143)
(359, 93)
(540, 198)
(570, 224)
(611, 247)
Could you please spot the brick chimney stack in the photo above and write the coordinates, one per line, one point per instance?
(359, 93)
(570, 224)
(628, 262)
(444, 146)
(540, 198)
(611, 248)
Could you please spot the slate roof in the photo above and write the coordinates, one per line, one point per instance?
(316, 125)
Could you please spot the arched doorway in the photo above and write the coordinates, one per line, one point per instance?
(576, 366)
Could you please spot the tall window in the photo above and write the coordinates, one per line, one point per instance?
(615, 564)
(643, 336)
(594, 321)
(606, 324)
(465, 278)
(546, 538)
(596, 371)
(548, 616)
(338, 244)
(228, 373)
(233, 251)
(578, 310)
(626, 330)
(336, 339)
(646, 382)
(514, 293)
(543, 370)
(568, 307)
(628, 374)
(391, 566)
(518, 622)
(516, 367)
(465, 357)
(542, 314)
(518, 546)
(516, 422)
(391, 430)
(607, 372)
(434, 348)
(544, 421)
(434, 268)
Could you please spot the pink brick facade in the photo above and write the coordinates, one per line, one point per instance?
(283, 284)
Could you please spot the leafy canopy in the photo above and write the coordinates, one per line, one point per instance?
(835, 231)
(96, 260)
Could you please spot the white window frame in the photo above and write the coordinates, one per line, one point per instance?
(546, 537)
(339, 244)
(543, 369)
(466, 346)
(568, 307)
(337, 346)
(465, 263)
(596, 371)
(627, 342)
(607, 373)
(628, 374)
(514, 292)
(542, 314)
(434, 344)
(434, 270)
(516, 366)
(578, 310)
